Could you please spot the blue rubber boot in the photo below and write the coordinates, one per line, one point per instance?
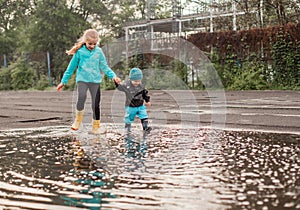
(145, 125)
(128, 127)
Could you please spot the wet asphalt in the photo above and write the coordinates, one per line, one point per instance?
(239, 168)
(269, 111)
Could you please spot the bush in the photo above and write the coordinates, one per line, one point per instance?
(5, 79)
(250, 77)
(22, 75)
(17, 76)
(43, 83)
(286, 63)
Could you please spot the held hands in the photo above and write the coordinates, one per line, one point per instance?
(117, 80)
(148, 104)
(59, 86)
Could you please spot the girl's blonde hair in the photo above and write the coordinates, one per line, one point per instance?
(88, 35)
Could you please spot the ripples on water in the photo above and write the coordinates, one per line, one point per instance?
(167, 169)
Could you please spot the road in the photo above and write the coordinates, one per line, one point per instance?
(271, 111)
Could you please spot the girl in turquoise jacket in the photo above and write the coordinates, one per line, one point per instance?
(88, 61)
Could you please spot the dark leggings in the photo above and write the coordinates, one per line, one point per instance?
(94, 89)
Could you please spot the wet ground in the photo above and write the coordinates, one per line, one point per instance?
(208, 150)
(275, 111)
(169, 168)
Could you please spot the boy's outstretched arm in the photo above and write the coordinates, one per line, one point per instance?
(120, 86)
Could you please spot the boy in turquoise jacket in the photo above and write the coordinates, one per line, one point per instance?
(136, 95)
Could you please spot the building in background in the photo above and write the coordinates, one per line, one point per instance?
(195, 16)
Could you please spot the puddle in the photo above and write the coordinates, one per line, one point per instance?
(171, 168)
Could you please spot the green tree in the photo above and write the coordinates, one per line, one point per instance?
(13, 14)
(55, 28)
(281, 11)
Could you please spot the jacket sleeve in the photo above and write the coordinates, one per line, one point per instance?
(71, 68)
(104, 67)
(120, 87)
(145, 95)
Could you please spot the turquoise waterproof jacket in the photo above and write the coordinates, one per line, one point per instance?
(89, 64)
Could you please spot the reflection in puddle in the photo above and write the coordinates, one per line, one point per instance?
(170, 168)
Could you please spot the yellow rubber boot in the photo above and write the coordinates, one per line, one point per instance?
(77, 121)
(96, 127)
